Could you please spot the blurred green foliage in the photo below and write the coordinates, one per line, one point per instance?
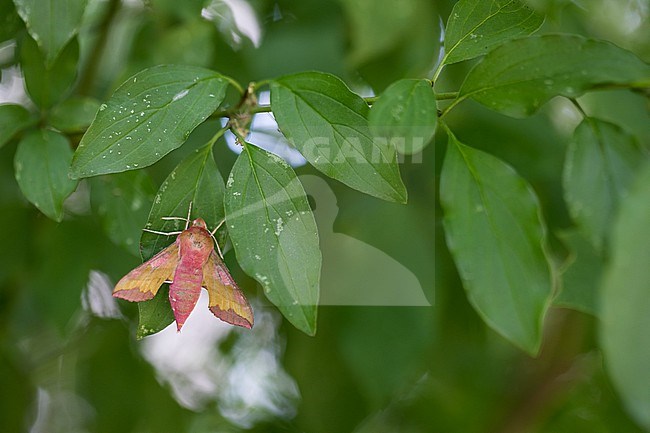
(368, 369)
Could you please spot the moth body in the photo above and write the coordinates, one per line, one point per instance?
(194, 248)
(190, 263)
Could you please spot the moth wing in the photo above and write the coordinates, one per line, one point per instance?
(142, 283)
(225, 300)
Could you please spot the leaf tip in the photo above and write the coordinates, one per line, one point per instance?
(303, 319)
(311, 322)
(400, 195)
(310, 329)
(532, 348)
(75, 172)
(74, 175)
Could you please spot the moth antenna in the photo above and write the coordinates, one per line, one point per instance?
(174, 218)
(189, 213)
(212, 233)
(217, 227)
(218, 248)
(162, 233)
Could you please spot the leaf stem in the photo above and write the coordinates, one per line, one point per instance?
(452, 105)
(260, 109)
(216, 136)
(446, 95)
(235, 110)
(579, 107)
(235, 84)
(262, 83)
(439, 96)
(438, 70)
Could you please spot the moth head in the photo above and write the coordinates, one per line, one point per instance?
(199, 222)
(197, 237)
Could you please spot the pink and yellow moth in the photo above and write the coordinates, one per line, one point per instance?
(190, 263)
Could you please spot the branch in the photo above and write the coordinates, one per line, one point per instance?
(89, 74)
(562, 366)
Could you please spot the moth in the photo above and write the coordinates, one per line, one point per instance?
(189, 264)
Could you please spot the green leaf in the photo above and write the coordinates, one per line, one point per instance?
(51, 23)
(148, 116)
(600, 164)
(405, 115)
(521, 75)
(328, 124)
(189, 43)
(178, 11)
(581, 276)
(476, 26)
(383, 40)
(197, 180)
(378, 26)
(46, 83)
(13, 119)
(395, 339)
(41, 166)
(154, 315)
(10, 22)
(625, 304)
(123, 202)
(496, 236)
(274, 233)
(74, 115)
